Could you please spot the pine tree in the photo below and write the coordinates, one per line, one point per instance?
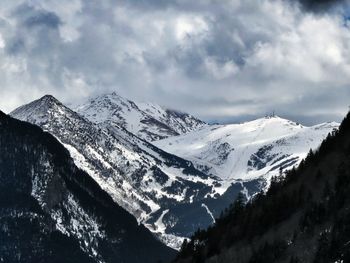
(238, 205)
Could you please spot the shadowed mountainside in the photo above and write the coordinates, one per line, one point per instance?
(52, 211)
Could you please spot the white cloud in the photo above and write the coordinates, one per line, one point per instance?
(219, 60)
(189, 26)
(2, 42)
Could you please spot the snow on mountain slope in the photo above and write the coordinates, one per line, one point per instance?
(249, 150)
(146, 120)
(163, 191)
(51, 211)
(173, 196)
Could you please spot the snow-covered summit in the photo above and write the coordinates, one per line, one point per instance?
(250, 149)
(40, 109)
(147, 120)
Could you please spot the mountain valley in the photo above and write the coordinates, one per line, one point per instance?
(183, 182)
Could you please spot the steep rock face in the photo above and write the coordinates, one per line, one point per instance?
(250, 150)
(50, 211)
(146, 120)
(164, 192)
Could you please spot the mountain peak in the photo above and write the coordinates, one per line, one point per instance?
(43, 110)
(43, 104)
(48, 97)
(273, 121)
(47, 101)
(146, 120)
(109, 95)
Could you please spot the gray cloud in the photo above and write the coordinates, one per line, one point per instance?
(221, 60)
(320, 5)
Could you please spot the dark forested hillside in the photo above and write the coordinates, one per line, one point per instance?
(304, 217)
(50, 211)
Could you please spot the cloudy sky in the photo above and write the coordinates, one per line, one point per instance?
(223, 60)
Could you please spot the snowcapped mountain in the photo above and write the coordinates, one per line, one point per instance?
(51, 211)
(248, 150)
(164, 192)
(172, 196)
(303, 218)
(146, 120)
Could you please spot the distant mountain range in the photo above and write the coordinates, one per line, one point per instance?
(173, 172)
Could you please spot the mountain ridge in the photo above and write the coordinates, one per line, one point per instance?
(146, 120)
(140, 177)
(52, 211)
(248, 150)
